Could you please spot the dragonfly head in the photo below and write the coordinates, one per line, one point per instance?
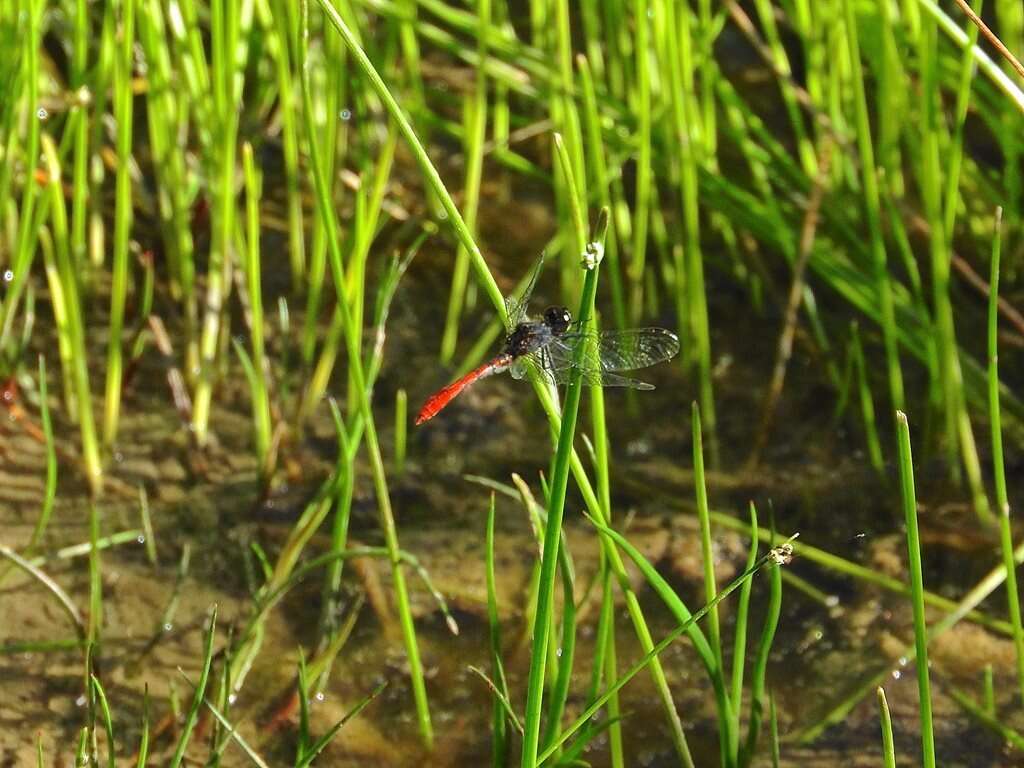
(557, 319)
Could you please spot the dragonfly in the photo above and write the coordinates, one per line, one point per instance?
(557, 348)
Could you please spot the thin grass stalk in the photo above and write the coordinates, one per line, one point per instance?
(342, 499)
(95, 578)
(988, 690)
(776, 558)
(320, 744)
(11, 72)
(123, 103)
(707, 551)
(1011, 35)
(917, 589)
(954, 152)
(697, 638)
(892, 101)
(80, 188)
(978, 714)
(552, 536)
(691, 297)
(501, 112)
(324, 98)
(21, 263)
(473, 151)
(50, 490)
(888, 745)
(224, 38)
(957, 421)
(499, 726)
(352, 333)
(872, 209)
(101, 91)
(368, 222)
(605, 664)
(998, 464)
(167, 116)
(604, 660)
(601, 183)
(760, 667)
(401, 425)
(70, 298)
(867, 400)
(709, 29)
(644, 174)
(108, 722)
(740, 631)
(780, 61)
(365, 226)
(568, 198)
(563, 649)
(290, 144)
(618, 567)
(261, 400)
(564, 652)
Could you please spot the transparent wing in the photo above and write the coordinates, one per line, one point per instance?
(515, 306)
(520, 369)
(543, 361)
(614, 350)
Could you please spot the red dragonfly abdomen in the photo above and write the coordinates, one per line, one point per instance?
(442, 397)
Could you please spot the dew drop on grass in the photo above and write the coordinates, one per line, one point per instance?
(141, 539)
(8, 275)
(896, 674)
(345, 115)
(42, 114)
(80, 701)
(232, 698)
(320, 696)
(168, 627)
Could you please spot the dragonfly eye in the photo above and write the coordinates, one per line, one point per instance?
(558, 319)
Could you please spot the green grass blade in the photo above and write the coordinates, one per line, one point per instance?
(776, 557)
(998, 464)
(552, 541)
(320, 744)
(499, 728)
(917, 588)
(888, 747)
(123, 106)
(108, 721)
